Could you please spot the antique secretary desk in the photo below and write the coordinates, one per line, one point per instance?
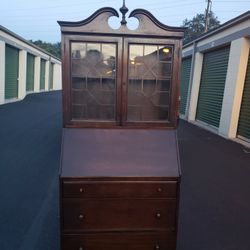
(119, 177)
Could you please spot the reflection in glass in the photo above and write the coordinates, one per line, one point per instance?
(77, 111)
(135, 52)
(93, 81)
(165, 54)
(149, 80)
(149, 87)
(163, 69)
(150, 50)
(108, 84)
(78, 50)
(150, 55)
(93, 47)
(78, 83)
(108, 51)
(163, 85)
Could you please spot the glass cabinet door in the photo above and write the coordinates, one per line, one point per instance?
(149, 81)
(122, 82)
(93, 81)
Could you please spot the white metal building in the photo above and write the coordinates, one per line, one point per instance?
(25, 68)
(215, 83)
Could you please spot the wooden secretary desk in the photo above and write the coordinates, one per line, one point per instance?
(120, 175)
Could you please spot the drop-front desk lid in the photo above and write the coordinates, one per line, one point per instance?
(104, 153)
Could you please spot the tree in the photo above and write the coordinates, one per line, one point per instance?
(52, 48)
(196, 26)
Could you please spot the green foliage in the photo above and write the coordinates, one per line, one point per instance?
(196, 26)
(52, 48)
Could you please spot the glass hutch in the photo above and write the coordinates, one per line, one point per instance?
(122, 77)
(119, 153)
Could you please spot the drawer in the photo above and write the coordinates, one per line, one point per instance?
(87, 189)
(163, 240)
(118, 214)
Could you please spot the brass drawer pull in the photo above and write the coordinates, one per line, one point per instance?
(159, 190)
(157, 247)
(81, 216)
(158, 215)
(81, 190)
(81, 248)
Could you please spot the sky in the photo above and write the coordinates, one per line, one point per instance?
(35, 20)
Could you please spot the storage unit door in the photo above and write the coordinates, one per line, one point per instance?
(42, 75)
(11, 72)
(212, 86)
(185, 76)
(244, 120)
(30, 73)
(51, 75)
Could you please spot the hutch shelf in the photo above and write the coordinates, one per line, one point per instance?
(120, 173)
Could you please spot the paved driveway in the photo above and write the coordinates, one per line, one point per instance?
(215, 190)
(30, 136)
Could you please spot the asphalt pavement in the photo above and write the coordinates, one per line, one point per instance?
(215, 188)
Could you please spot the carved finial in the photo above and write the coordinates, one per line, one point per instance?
(123, 10)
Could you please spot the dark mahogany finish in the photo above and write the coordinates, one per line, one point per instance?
(118, 214)
(127, 189)
(98, 152)
(119, 181)
(119, 188)
(123, 241)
